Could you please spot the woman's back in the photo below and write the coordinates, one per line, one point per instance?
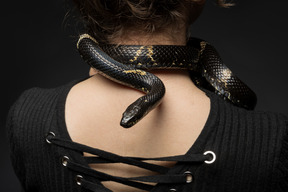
(250, 148)
(93, 113)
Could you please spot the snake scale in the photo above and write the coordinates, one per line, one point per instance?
(129, 65)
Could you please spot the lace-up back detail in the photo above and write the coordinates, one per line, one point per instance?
(83, 174)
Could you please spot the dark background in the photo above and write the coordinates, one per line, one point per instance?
(37, 49)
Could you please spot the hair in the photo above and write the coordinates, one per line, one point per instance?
(109, 19)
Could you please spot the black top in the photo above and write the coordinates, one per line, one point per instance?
(251, 150)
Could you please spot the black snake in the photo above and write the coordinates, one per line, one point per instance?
(128, 65)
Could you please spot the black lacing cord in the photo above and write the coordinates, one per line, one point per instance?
(107, 157)
(191, 158)
(105, 177)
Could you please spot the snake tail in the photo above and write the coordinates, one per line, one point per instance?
(146, 82)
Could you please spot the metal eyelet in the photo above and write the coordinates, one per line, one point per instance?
(64, 161)
(50, 133)
(213, 157)
(79, 179)
(189, 177)
(172, 190)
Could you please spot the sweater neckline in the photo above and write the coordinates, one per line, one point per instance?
(197, 147)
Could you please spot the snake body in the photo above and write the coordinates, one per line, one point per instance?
(129, 65)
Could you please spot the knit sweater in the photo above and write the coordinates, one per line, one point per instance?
(251, 149)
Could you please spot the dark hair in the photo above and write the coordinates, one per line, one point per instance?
(107, 19)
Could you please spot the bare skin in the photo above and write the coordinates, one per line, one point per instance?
(94, 108)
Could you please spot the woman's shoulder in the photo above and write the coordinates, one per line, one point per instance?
(256, 118)
(263, 124)
(248, 127)
(37, 97)
(32, 107)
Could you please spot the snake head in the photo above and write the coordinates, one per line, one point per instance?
(135, 112)
(131, 116)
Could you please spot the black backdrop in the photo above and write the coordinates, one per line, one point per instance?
(38, 50)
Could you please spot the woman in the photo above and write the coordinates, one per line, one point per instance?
(244, 150)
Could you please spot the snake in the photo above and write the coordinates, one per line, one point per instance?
(129, 65)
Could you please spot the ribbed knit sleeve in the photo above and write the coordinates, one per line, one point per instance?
(281, 171)
(28, 123)
(13, 123)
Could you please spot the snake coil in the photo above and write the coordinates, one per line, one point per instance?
(128, 65)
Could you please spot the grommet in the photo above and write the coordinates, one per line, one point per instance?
(172, 190)
(79, 179)
(213, 157)
(64, 160)
(50, 133)
(189, 177)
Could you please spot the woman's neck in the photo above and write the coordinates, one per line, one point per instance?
(169, 36)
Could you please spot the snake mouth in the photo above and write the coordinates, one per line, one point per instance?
(127, 124)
